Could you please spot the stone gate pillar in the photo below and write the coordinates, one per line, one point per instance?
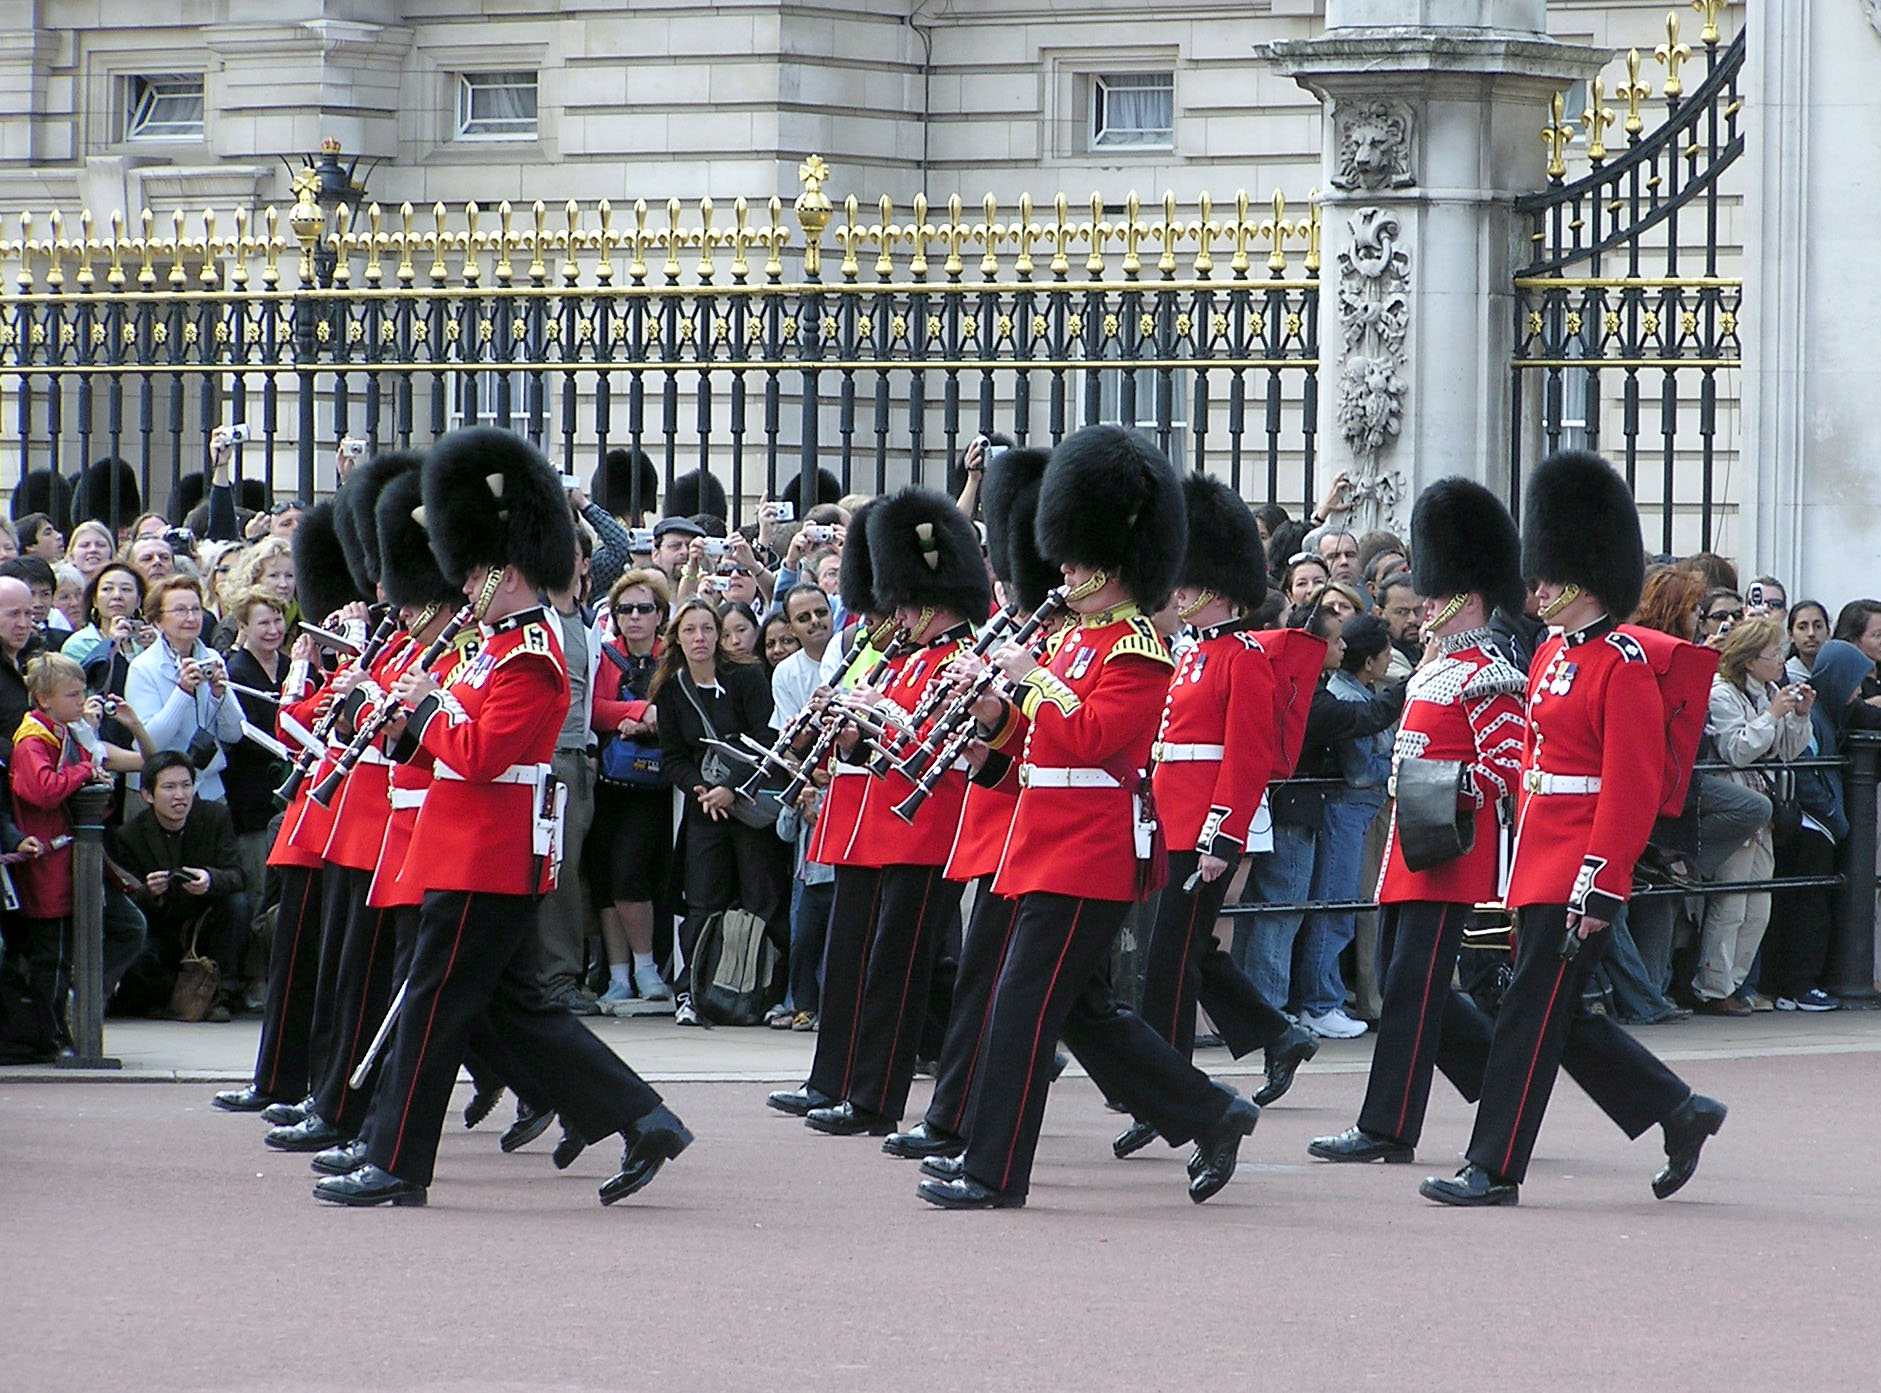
(1433, 112)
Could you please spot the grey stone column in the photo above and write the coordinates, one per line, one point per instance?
(1433, 118)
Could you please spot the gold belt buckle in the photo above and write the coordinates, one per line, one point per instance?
(1156, 752)
(1532, 779)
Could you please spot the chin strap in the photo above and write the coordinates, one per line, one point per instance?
(1446, 614)
(1098, 580)
(1201, 602)
(1569, 594)
(918, 634)
(492, 583)
(422, 619)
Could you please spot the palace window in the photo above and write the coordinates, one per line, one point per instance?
(496, 106)
(1133, 111)
(164, 106)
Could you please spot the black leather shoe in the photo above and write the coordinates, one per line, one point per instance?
(845, 1119)
(288, 1114)
(568, 1148)
(529, 1125)
(798, 1101)
(944, 1167)
(368, 1186)
(923, 1140)
(1471, 1186)
(481, 1104)
(1356, 1144)
(1686, 1129)
(1217, 1149)
(315, 1134)
(248, 1099)
(1133, 1139)
(967, 1193)
(343, 1159)
(659, 1137)
(1284, 1057)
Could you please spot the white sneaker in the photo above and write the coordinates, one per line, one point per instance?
(1335, 1024)
(650, 985)
(684, 1014)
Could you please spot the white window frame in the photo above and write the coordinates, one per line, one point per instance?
(519, 377)
(1103, 137)
(468, 127)
(1110, 406)
(144, 91)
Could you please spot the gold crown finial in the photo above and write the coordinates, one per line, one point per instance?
(813, 211)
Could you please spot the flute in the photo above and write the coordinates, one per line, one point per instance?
(323, 727)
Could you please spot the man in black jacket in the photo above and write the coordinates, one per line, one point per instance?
(181, 851)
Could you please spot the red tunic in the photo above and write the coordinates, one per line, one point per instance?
(1467, 705)
(360, 807)
(492, 733)
(411, 782)
(1297, 659)
(1684, 671)
(1594, 712)
(1221, 700)
(1091, 710)
(884, 838)
(833, 840)
(286, 851)
(985, 819)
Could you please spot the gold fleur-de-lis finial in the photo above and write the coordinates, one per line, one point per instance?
(1597, 118)
(1671, 53)
(1709, 9)
(1634, 92)
(1557, 134)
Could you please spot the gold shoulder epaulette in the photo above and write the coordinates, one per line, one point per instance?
(1143, 642)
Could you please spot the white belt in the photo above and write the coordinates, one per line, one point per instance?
(837, 768)
(372, 755)
(515, 774)
(1035, 776)
(1535, 781)
(405, 799)
(1186, 754)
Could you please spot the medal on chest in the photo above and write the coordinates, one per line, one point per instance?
(1081, 662)
(1196, 661)
(1560, 675)
(479, 671)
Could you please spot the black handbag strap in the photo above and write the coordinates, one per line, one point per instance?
(690, 692)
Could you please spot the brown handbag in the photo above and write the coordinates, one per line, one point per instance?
(197, 981)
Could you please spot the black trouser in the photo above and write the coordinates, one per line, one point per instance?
(852, 913)
(217, 929)
(281, 1069)
(982, 955)
(1425, 1022)
(1183, 961)
(474, 954)
(363, 988)
(1796, 949)
(806, 945)
(903, 947)
(1543, 1027)
(1055, 983)
(323, 1034)
(727, 863)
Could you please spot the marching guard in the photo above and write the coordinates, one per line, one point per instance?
(485, 842)
(1597, 727)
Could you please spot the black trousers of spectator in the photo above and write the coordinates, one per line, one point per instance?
(476, 954)
(323, 1034)
(806, 945)
(1542, 1027)
(363, 986)
(904, 946)
(219, 930)
(1796, 949)
(281, 1068)
(1184, 962)
(852, 914)
(1425, 1022)
(1055, 983)
(40, 951)
(982, 956)
(728, 863)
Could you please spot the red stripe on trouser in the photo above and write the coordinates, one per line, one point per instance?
(1528, 1083)
(901, 1011)
(404, 1113)
(1038, 1032)
(359, 1024)
(1423, 1013)
(862, 978)
(293, 957)
(986, 1015)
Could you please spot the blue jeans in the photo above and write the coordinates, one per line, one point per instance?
(1263, 943)
(1338, 862)
(1636, 997)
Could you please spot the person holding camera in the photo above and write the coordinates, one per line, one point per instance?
(179, 687)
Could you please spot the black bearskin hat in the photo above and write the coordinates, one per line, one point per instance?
(926, 553)
(1463, 542)
(695, 493)
(829, 489)
(1580, 526)
(43, 491)
(320, 570)
(492, 500)
(407, 570)
(1224, 553)
(857, 578)
(93, 498)
(1009, 504)
(355, 513)
(190, 490)
(1111, 499)
(613, 483)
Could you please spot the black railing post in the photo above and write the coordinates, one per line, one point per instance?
(88, 807)
(1851, 954)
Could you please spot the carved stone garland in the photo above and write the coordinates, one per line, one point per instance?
(1374, 319)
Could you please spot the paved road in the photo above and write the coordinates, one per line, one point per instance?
(151, 1243)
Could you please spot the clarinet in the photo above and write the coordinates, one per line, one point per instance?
(835, 720)
(996, 629)
(304, 763)
(383, 715)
